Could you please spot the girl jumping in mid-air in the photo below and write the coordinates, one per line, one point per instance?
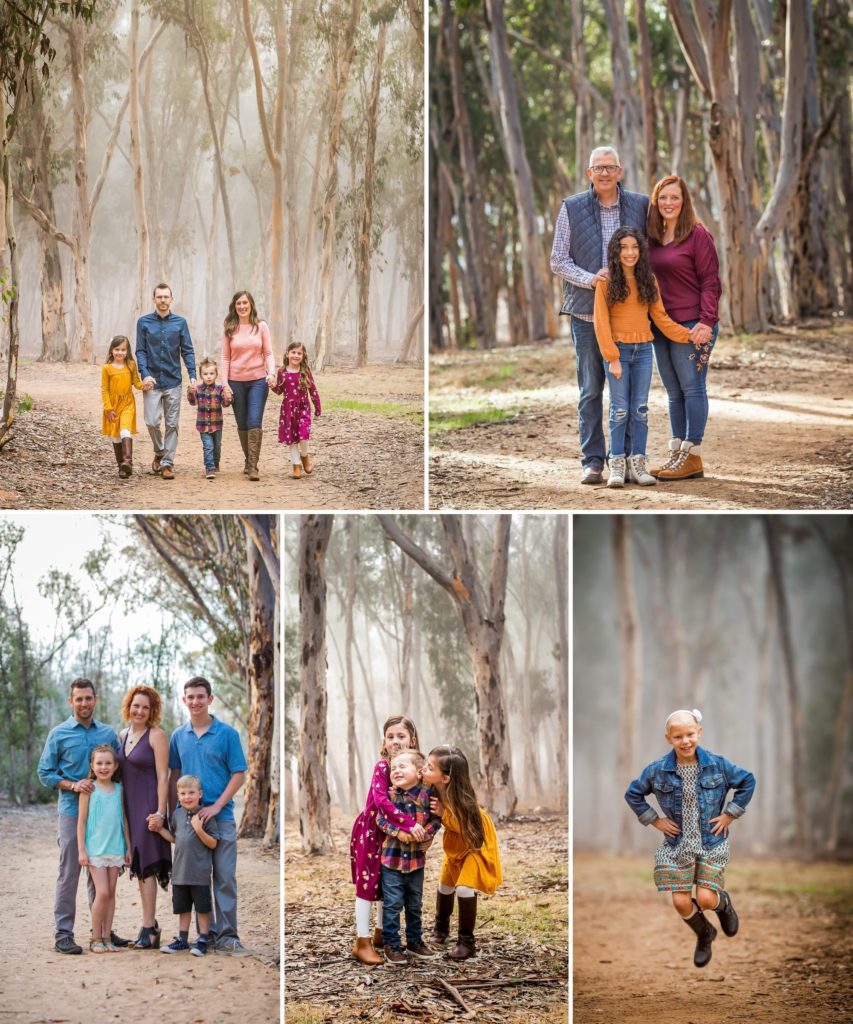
(690, 785)
(471, 862)
(296, 383)
(119, 376)
(398, 733)
(103, 841)
(623, 305)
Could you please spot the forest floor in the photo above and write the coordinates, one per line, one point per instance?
(789, 963)
(504, 432)
(521, 964)
(367, 448)
(41, 986)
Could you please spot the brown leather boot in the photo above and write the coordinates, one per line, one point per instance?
(674, 449)
(307, 464)
(254, 442)
(443, 910)
(377, 938)
(118, 455)
(296, 470)
(465, 946)
(125, 470)
(687, 465)
(362, 949)
(244, 444)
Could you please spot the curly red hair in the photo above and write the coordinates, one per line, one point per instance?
(153, 699)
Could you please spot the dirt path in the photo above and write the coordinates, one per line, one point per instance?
(38, 985)
(370, 457)
(521, 934)
(789, 963)
(780, 432)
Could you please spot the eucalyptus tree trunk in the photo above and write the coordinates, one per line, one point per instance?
(82, 347)
(625, 116)
(647, 97)
(142, 235)
(349, 599)
(627, 615)
(314, 803)
(583, 121)
(10, 287)
(561, 585)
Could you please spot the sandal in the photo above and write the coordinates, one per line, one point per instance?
(98, 946)
(148, 938)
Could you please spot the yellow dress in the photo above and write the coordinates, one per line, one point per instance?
(478, 869)
(117, 383)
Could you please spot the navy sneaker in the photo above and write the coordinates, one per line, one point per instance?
(176, 946)
(199, 947)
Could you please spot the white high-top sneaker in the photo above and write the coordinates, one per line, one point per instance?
(637, 472)
(617, 471)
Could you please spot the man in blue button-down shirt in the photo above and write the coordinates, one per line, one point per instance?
(64, 766)
(162, 340)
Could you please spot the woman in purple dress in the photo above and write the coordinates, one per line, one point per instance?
(685, 263)
(144, 757)
(365, 845)
(296, 383)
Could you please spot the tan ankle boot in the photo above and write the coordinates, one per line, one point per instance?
(362, 949)
(674, 449)
(687, 465)
(296, 470)
(307, 464)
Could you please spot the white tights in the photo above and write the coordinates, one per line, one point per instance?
(297, 450)
(362, 916)
(464, 892)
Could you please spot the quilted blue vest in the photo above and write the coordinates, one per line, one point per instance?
(584, 213)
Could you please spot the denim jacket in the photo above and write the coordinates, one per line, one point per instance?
(716, 777)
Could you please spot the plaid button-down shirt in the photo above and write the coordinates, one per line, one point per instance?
(210, 401)
(562, 263)
(396, 854)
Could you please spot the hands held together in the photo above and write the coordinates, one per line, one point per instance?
(700, 334)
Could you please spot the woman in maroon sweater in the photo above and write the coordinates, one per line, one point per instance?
(684, 261)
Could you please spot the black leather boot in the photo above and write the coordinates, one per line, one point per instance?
(443, 910)
(465, 946)
(705, 935)
(726, 913)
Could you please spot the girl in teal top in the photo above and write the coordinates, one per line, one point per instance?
(103, 841)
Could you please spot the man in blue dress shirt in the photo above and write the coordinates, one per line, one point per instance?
(64, 766)
(211, 750)
(162, 340)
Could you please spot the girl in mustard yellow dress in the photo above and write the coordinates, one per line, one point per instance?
(119, 376)
(471, 862)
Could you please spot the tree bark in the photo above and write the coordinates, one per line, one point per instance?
(82, 347)
(142, 235)
(561, 585)
(351, 531)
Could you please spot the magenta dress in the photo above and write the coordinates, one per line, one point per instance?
(150, 853)
(365, 845)
(294, 421)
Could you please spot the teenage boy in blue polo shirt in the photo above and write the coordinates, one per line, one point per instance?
(64, 766)
(162, 340)
(211, 750)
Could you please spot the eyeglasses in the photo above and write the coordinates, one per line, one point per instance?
(605, 169)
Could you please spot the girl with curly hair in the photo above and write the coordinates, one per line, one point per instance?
(623, 305)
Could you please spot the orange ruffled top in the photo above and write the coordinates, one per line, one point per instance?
(628, 321)
(479, 869)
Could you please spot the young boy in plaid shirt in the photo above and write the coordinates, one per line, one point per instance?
(210, 399)
(403, 858)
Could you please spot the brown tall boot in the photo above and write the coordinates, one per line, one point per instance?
(362, 949)
(443, 910)
(687, 465)
(118, 455)
(244, 444)
(465, 946)
(377, 938)
(125, 470)
(254, 440)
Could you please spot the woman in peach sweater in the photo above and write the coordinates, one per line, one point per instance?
(248, 368)
(623, 305)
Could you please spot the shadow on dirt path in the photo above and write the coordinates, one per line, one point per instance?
(504, 429)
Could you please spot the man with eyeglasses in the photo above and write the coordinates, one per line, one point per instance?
(585, 225)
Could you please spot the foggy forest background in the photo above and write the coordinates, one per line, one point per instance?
(747, 618)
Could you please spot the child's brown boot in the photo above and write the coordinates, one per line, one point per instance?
(118, 455)
(377, 938)
(465, 946)
(125, 470)
(307, 464)
(362, 949)
(297, 470)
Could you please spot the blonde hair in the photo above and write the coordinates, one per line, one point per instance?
(185, 781)
(695, 714)
(415, 756)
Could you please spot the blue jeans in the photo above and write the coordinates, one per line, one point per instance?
(401, 890)
(684, 374)
(250, 397)
(629, 398)
(211, 444)
(590, 370)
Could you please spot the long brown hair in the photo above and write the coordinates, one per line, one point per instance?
(232, 318)
(617, 286)
(407, 724)
(101, 747)
(306, 379)
(687, 220)
(129, 362)
(460, 795)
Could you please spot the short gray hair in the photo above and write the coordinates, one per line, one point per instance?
(604, 149)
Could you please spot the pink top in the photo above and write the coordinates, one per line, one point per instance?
(247, 354)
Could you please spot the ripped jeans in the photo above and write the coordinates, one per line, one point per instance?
(629, 397)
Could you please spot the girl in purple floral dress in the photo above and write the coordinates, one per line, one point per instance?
(365, 848)
(296, 383)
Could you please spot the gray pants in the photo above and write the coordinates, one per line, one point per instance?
(65, 902)
(163, 404)
(223, 926)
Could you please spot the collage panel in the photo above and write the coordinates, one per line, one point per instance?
(139, 767)
(717, 714)
(426, 742)
(212, 256)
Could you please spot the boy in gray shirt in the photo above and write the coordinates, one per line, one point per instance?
(191, 866)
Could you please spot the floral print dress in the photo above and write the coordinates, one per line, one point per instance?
(294, 421)
(365, 845)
